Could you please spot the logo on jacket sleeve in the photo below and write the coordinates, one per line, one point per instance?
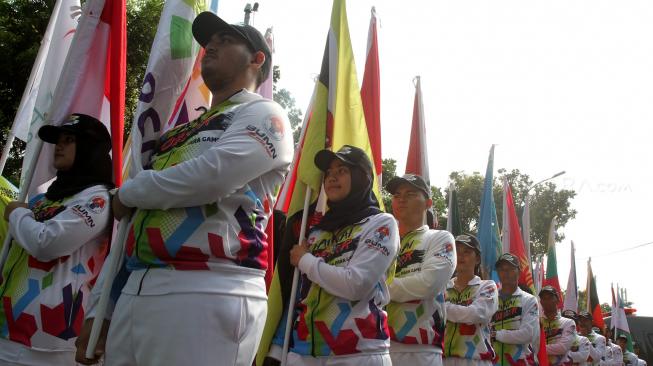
(96, 204)
(382, 233)
(274, 127)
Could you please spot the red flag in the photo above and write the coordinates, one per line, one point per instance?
(417, 161)
(513, 233)
(541, 353)
(371, 95)
(115, 14)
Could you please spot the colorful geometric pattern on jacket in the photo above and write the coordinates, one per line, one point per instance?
(28, 285)
(509, 317)
(325, 324)
(470, 341)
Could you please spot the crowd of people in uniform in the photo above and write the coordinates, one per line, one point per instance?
(375, 288)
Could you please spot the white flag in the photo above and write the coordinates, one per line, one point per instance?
(173, 88)
(571, 294)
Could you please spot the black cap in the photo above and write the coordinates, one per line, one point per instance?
(585, 315)
(508, 258)
(548, 289)
(470, 241)
(80, 125)
(622, 336)
(206, 24)
(350, 155)
(412, 179)
(570, 314)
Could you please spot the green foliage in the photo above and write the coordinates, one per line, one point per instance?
(287, 101)
(545, 203)
(22, 25)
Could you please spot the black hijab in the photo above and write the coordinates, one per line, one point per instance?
(92, 165)
(359, 203)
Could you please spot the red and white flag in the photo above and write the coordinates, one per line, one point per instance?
(371, 95)
(92, 82)
(418, 161)
(37, 97)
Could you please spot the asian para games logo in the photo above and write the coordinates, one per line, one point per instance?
(96, 204)
(274, 127)
(382, 233)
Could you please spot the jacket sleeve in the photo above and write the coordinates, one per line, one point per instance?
(480, 311)
(563, 345)
(238, 157)
(66, 232)
(583, 352)
(366, 267)
(617, 356)
(597, 352)
(436, 270)
(529, 327)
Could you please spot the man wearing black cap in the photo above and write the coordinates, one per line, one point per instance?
(581, 347)
(426, 261)
(559, 331)
(597, 352)
(196, 247)
(515, 326)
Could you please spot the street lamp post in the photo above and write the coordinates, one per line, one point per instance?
(526, 218)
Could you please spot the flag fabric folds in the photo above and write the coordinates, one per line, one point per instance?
(551, 274)
(92, 82)
(8, 193)
(593, 305)
(513, 233)
(571, 293)
(454, 225)
(335, 118)
(488, 226)
(619, 322)
(173, 91)
(371, 95)
(37, 98)
(417, 161)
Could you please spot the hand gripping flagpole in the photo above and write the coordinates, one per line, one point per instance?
(295, 280)
(114, 261)
(22, 197)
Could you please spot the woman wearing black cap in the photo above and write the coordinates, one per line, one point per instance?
(60, 243)
(346, 264)
(471, 303)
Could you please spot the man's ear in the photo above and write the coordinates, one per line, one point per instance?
(259, 58)
(429, 203)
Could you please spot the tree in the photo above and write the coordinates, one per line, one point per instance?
(287, 101)
(22, 25)
(545, 203)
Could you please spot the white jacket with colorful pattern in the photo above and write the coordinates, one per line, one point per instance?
(54, 261)
(343, 290)
(416, 314)
(517, 325)
(560, 334)
(469, 313)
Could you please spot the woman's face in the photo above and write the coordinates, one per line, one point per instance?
(467, 258)
(64, 152)
(337, 181)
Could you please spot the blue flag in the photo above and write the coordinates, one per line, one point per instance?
(488, 226)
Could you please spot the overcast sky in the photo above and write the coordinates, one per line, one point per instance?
(558, 85)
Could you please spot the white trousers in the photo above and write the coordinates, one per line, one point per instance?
(14, 353)
(416, 358)
(457, 361)
(295, 359)
(185, 329)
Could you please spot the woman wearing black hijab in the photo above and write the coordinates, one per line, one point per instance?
(60, 243)
(346, 263)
